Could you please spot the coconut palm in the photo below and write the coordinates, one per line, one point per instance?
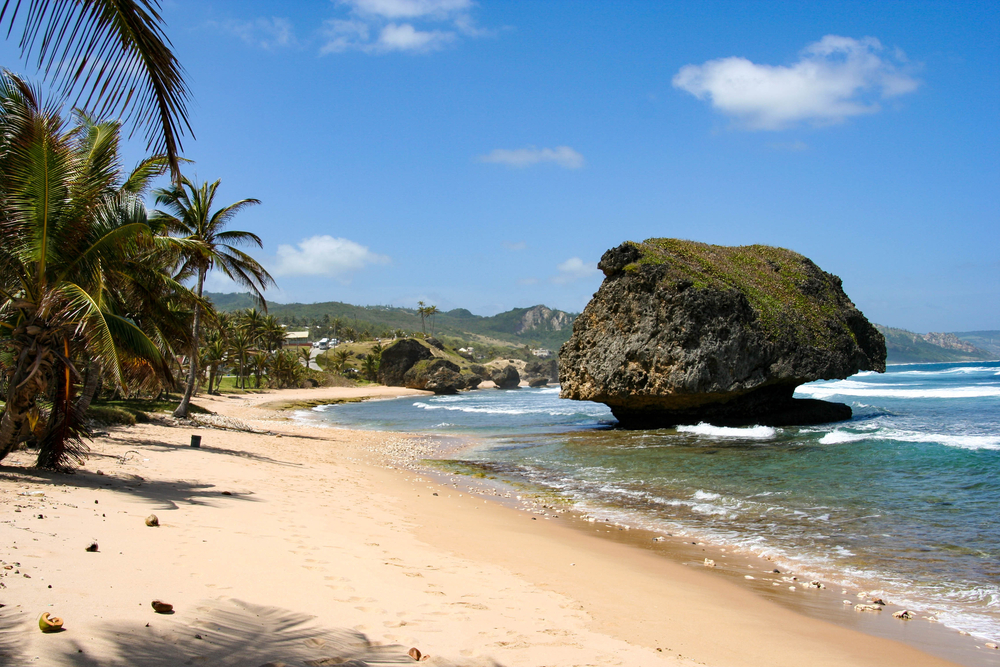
(240, 346)
(272, 334)
(114, 53)
(340, 358)
(369, 367)
(67, 222)
(431, 311)
(207, 245)
(422, 311)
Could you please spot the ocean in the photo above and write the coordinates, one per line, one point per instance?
(903, 499)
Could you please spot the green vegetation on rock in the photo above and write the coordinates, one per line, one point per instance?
(781, 285)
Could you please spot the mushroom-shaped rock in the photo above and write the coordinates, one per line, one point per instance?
(683, 332)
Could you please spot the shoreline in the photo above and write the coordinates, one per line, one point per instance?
(328, 523)
(829, 604)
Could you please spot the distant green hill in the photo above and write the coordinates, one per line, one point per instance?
(906, 347)
(537, 326)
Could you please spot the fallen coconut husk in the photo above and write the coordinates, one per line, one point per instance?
(48, 623)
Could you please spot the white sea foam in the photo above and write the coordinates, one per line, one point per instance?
(500, 410)
(840, 437)
(854, 388)
(705, 495)
(962, 370)
(751, 432)
(960, 441)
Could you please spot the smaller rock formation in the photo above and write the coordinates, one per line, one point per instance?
(399, 358)
(506, 377)
(472, 381)
(438, 375)
(540, 370)
(434, 342)
(538, 382)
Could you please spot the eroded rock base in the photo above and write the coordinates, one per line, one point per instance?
(792, 412)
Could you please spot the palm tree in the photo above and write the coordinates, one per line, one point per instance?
(340, 358)
(116, 53)
(272, 334)
(240, 345)
(66, 223)
(369, 367)
(422, 311)
(205, 245)
(431, 311)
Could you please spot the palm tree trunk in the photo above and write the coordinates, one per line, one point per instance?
(182, 409)
(18, 403)
(90, 386)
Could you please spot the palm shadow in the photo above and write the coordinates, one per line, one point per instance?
(233, 633)
(165, 494)
(11, 639)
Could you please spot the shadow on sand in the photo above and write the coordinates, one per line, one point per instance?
(239, 634)
(166, 494)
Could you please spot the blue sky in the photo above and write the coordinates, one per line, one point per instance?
(485, 154)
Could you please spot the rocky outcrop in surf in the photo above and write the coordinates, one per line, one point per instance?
(438, 375)
(683, 332)
(506, 377)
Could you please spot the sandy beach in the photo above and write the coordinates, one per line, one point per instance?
(298, 545)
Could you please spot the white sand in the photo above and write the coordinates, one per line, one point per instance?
(315, 548)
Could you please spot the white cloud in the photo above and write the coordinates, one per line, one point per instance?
(834, 79)
(344, 35)
(263, 32)
(574, 269)
(324, 256)
(407, 38)
(413, 26)
(409, 9)
(564, 156)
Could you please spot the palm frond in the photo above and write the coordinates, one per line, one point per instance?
(114, 54)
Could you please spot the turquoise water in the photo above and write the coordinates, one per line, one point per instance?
(903, 499)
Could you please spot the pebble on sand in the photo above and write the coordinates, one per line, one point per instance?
(161, 607)
(868, 607)
(417, 655)
(905, 614)
(92, 547)
(152, 521)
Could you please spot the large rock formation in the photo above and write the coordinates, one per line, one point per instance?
(438, 375)
(683, 332)
(399, 358)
